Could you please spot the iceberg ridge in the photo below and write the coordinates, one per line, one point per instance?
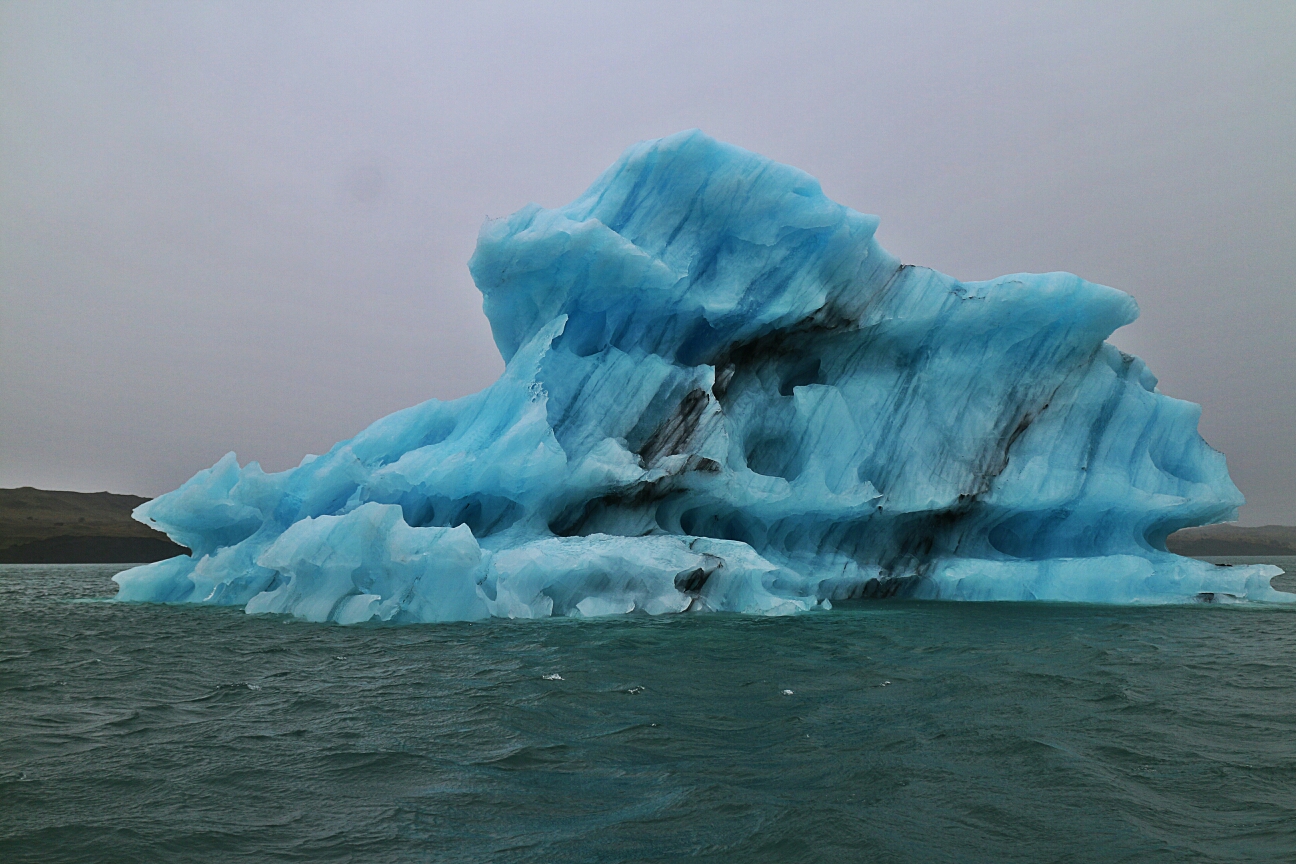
(722, 394)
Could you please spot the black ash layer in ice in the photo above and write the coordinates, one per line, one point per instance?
(722, 394)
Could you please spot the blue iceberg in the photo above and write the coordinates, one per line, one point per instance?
(722, 394)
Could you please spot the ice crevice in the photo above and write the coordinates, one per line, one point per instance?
(722, 394)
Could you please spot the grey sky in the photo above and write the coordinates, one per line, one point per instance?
(245, 226)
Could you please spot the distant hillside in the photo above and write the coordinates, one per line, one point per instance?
(42, 527)
(1233, 540)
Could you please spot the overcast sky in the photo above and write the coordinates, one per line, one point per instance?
(244, 226)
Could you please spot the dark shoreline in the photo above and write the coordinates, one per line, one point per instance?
(92, 550)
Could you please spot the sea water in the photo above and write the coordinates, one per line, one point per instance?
(885, 731)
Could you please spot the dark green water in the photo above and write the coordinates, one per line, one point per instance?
(1008, 732)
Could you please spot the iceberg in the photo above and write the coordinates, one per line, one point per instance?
(722, 394)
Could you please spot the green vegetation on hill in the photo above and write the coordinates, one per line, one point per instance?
(43, 527)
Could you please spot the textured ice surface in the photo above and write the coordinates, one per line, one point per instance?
(722, 394)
